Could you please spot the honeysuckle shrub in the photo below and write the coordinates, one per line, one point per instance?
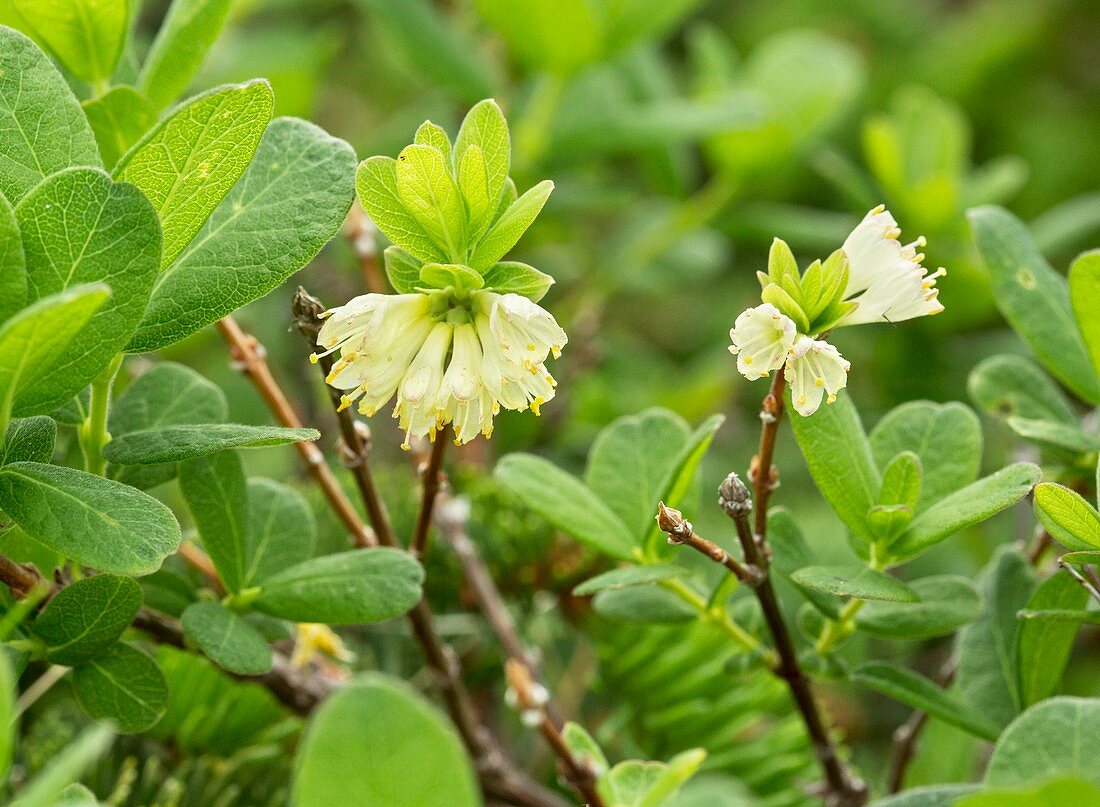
(193, 616)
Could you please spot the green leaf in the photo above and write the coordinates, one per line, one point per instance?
(1033, 298)
(429, 192)
(1058, 737)
(1056, 436)
(1069, 519)
(124, 688)
(485, 128)
(368, 730)
(65, 767)
(626, 577)
(1043, 646)
(901, 481)
(195, 155)
(934, 796)
(175, 443)
(226, 638)
(363, 585)
(947, 602)
(630, 461)
(473, 184)
(1081, 558)
(9, 721)
(94, 521)
(511, 225)
(855, 581)
(85, 36)
(80, 227)
(584, 747)
(1012, 386)
(567, 503)
(643, 604)
(916, 691)
(281, 529)
(947, 438)
(987, 669)
(118, 119)
(216, 492)
(31, 341)
(450, 275)
(291, 200)
(840, 461)
(790, 552)
(1058, 793)
(513, 277)
(29, 440)
(666, 785)
(1084, 297)
(185, 36)
(376, 187)
(430, 134)
(42, 129)
(84, 619)
(402, 269)
(13, 278)
(970, 505)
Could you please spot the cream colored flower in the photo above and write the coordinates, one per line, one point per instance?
(762, 337)
(885, 278)
(814, 369)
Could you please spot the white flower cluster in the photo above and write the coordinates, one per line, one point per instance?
(886, 283)
(456, 365)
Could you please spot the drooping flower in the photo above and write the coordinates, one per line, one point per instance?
(456, 365)
(886, 279)
(814, 369)
(762, 337)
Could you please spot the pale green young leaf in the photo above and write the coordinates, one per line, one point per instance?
(429, 134)
(901, 481)
(430, 194)
(1057, 737)
(84, 619)
(969, 505)
(856, 581)
(86, 36)
(1043, 646)
(281, 529)
(631, 459)
(79, 227)
(175, 443)
(217, 495)
(1012, 386)
(94, 521)
(512, 224)
(1081, 558)
(123, 688)
(627, 783)
(29, 440)
(1033, 298)
(402, 269)
(13, 277)
(567, 503)
(787, 304)
(189, 162)
(913, 689)
(457, 276)
(176, 54)
(42, 128)
(65, 767)
(485, 127)
(1056, 793)
(781, 262)
(671, 777)
(946, 438)
(987, 670)
(226, 638)
(584, 747)
(118, 119)
(946, 603)
(378, 712)
(840, 460)
(473, 183)
(1084, 298)
(1067, 516)
(627, 576)
(292, 199)
(513, 277)
(363, 585)
(376, 187)
(1061, 437)
(32, 340)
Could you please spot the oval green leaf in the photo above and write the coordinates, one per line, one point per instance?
(124, 688)
(87, 617)
(226, 638)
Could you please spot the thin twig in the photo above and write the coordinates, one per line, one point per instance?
(200, 562)
(248, 356)
(681, 531)
(530, 698)
(907, 734)
(431, 478)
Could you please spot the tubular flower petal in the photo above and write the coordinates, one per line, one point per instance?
(814, 369)
(418, 410)
(525, 331)
(885, 278)
(762, 337)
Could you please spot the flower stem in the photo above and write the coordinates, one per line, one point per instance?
(93, 432)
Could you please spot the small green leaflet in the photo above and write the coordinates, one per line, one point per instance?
(87, 617)
(226, 638)
(124, 688)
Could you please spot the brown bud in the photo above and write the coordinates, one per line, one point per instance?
(734, 496)
(307, 311)
(672, 521)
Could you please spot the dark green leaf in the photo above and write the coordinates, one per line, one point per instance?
(935, 796)
(175, 443)
(29, 440)
(1056, 436)
(124, 688)
(946, 603)
(363, 585)
(1012, 386)
(87, 617)
(187, 32)
(626, 577)
(1043, 646)
(95, 521)
(790, 552)
(64, 767)
(281, 529)
(1058, 737)
(216, 493)
(647, 604)
(226, 639)
(854, 581)
(118, 119)
(1084, 297)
